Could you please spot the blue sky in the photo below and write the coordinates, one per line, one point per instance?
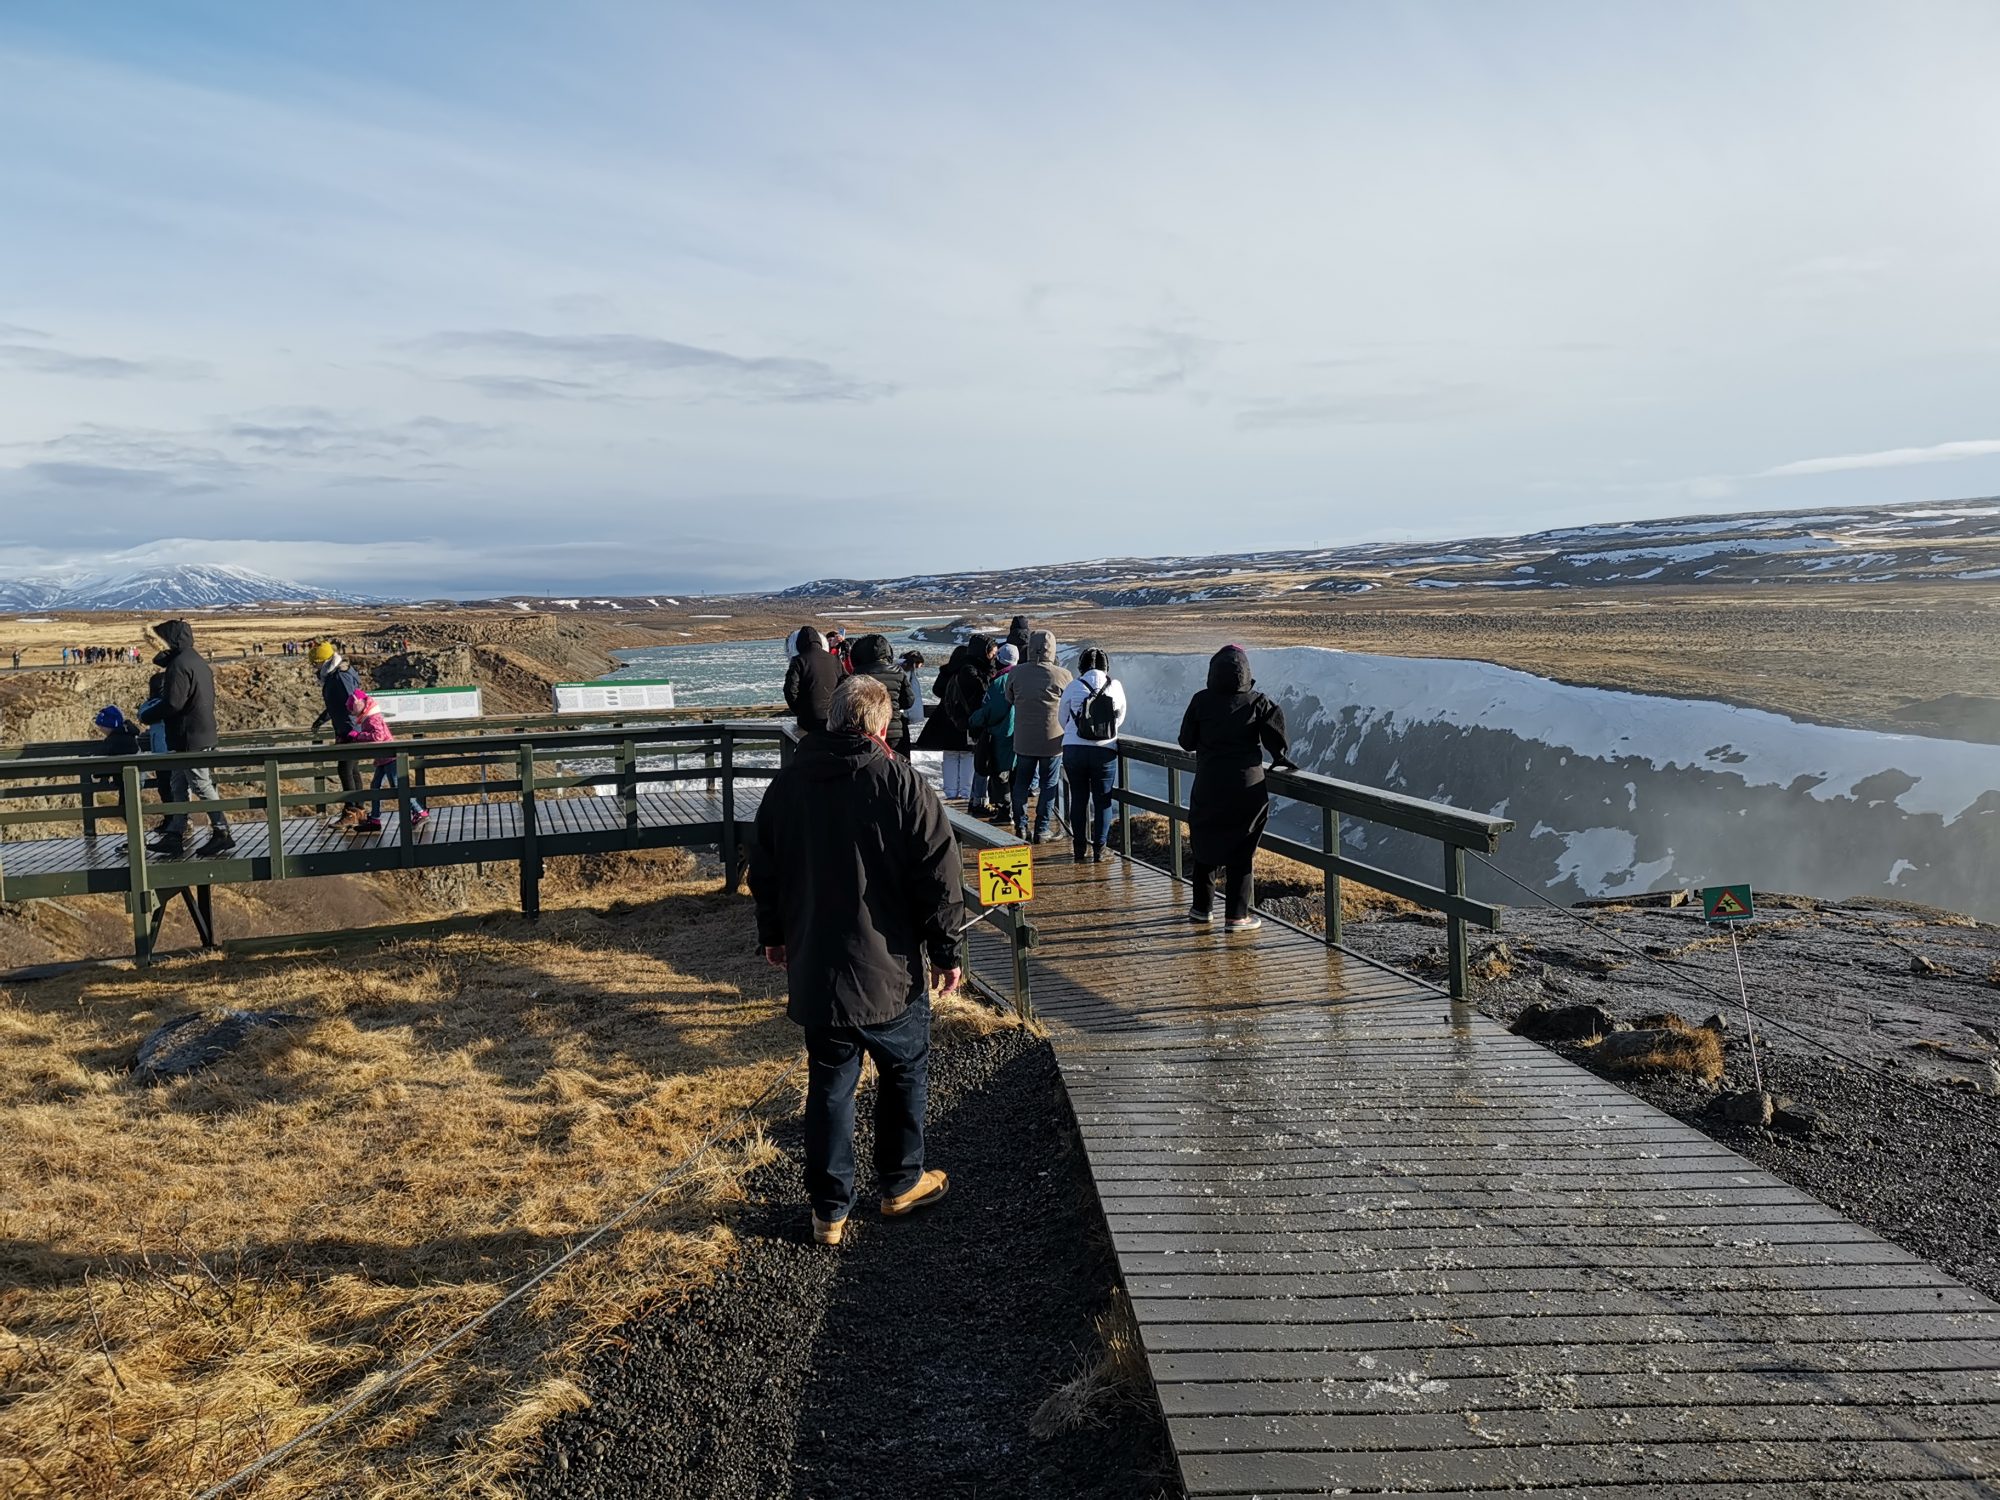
(468, 298)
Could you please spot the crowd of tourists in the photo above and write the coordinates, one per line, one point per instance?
(178, 715)
(856, 873)
(95, 656)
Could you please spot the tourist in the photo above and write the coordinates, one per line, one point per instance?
(810, 680)
(1092, 711)
(338, 683)
(840, 650)
(912, 665)
(185, 705)
(993, 724)
(1018, 632)
(852, 920)
(121, 737)
(1035, 688)
(365, 714)
(873, 658)
(1227, 728)
(961, 687)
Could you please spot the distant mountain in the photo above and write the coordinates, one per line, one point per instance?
(162, 589)
(1933, 543)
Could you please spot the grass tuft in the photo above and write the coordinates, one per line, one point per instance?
(1109, 1378)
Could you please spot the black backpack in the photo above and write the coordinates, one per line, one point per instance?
(961, 696)
(1097, 719)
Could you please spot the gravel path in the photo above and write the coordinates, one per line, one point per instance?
(907, 1363)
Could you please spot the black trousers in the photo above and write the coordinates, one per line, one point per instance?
(1236, 886)
(350, 781)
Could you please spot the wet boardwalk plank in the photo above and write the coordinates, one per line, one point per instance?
(1377, 1245)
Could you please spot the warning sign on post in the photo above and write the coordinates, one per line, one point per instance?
(1006, 875)
(1727, 903)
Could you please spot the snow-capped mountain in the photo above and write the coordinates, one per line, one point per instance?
(164, 587)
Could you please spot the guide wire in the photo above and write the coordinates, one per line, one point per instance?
(397, 1376)
(1689, 979)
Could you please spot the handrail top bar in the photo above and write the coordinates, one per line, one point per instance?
(971, 830)
(1344, 796)
(558, 741)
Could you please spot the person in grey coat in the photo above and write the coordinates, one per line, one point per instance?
(1035, 688)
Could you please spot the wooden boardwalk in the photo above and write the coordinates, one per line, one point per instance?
(1379, 1246)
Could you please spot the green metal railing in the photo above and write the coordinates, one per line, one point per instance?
(48, 798)
(1453, 829)
(1011, 921)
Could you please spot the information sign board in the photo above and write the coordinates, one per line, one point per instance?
(406, 705)
(612, 695)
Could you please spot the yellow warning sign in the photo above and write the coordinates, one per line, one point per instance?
(1006, 875)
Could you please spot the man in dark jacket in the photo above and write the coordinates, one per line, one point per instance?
(338, 683)
(1018, 633)
(856, 877)
(810, 680)
(186, 707)
(874, 657)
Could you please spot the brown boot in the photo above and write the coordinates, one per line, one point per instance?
(825, 1233)
(930, 1187)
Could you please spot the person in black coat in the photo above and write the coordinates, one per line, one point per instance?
(874, 657)
(186, 708)
(810, 680)
(1017, 635)
(856, 878)
(1228, 727)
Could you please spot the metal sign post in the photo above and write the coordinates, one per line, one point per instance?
(1730, 904)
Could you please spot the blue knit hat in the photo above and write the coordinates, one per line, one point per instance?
(109, 717)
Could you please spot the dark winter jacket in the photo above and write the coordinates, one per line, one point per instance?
(994, 721)
(856, 873)
(873, 657)
(186, 704)
(809, 683)
(961, 688)
(338, 683)
(1035, 688)
(1019, 634)
(1228, 727)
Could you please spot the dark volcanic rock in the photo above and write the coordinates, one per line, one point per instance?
(189, 1043)
(1567, 1023)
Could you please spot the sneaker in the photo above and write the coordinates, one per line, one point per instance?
(828, 1231)
(1097, 854)
(421, 815)
(930, 1187)
(368, 825)
(173, 846)
(219, 842)
(1243, 924)
(1021, 832)
(1196, 914)
(1077, 852)
(979, 809)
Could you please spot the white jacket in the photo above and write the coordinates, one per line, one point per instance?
(1071, 704)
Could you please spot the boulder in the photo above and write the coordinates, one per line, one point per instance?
(1795, 1119)
(1679, 1050)
(1746, 1107)
(1716, 1024)
(189, 1043)
(1566, 1023)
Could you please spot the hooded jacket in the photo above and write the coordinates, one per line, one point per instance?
(856, 873)
(993, 721)
(809, 683)
(1227, 727)
(1035, 688)
(874, 657)
(961, 688)
(338, 683)
(1077, 694)
(1018, 635)
(186, 702)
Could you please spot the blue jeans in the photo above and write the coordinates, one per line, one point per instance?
(1092, 771)
(1027, 770)
(385, 775)
(902, 1052)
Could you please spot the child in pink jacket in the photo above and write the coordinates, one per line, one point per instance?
(369, 725)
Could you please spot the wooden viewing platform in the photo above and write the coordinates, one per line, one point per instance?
(1377, 1245)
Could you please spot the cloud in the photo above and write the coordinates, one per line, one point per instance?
(314, 433)
(715, 373)
(16, 331)
(1161, 361)
(38, 360)
(535, 388)
(1887, 458)
(1436, 403)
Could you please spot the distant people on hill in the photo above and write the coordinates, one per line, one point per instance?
(370, 727)
(810, 680)
(1035, 688)
(1018, 631)
(1092, 712)
(1228, 727)
(856, 879)
(17, 656)
(874, 657)
(338, 683)
(185, 704)
(993, 724)
(961, 687)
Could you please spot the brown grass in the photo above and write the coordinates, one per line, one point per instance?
(1109, 1377)
(193, 1273)
(1682, 1050)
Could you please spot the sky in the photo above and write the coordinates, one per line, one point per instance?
(462, 298)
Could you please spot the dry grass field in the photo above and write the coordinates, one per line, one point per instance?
(196, 1271)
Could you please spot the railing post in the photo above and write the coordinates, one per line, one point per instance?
(628, 788)
(1454, 924)
(1329, 843)
(1017, 936)
(1174, 820)
(139, 888)
(274, 819)
(531, 861)
(89, 786)
(731, 876)
(1124, 807)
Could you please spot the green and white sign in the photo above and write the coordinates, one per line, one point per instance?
(407, 705)
(1727, 903)
(612, 695)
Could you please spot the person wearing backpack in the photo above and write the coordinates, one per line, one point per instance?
(1091, 710)
(961, 688)
(993, 724)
